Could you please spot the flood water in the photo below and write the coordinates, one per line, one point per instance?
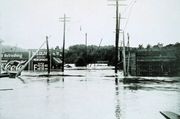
(90, 96)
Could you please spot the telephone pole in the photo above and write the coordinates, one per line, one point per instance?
(48, 55)
(117, 36)
(124, 56)
(64, 20)
(117, 31)
(128, 45)
(86, 57)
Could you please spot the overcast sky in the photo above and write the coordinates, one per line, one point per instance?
(25, 23)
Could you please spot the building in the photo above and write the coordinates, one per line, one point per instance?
(155, 62)
(13, 61)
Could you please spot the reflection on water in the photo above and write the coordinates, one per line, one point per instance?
(117, 107)
(92, 96)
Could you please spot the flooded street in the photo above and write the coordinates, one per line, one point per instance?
(90, 96)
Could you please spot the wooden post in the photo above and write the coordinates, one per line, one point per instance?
(64, 20)
(86, 56)
(124, 56)
(64, 36)
(48, 54)
(29, 65)
(116, 37)
(128, 64)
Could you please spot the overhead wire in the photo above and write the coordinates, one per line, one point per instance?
(129, 14)
(127, 7)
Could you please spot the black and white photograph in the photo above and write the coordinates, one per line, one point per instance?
(89, 59)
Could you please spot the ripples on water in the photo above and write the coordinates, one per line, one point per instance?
(92, 96)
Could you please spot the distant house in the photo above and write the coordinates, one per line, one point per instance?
(40, 61)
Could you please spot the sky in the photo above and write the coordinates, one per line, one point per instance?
(26, 23)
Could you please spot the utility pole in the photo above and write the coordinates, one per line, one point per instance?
(128, 45)
(48, 55)
(117, 36)
(124, 56)
(86, 57)
(118, 17)
(64, 20)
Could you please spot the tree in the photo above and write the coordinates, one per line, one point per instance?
(90, 55)
(159, 45)
(148, 46)
(177, 44)
(140, 46)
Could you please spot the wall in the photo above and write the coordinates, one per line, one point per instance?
(154, 62)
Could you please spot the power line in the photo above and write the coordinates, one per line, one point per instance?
(128, 6)
(130, 11)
